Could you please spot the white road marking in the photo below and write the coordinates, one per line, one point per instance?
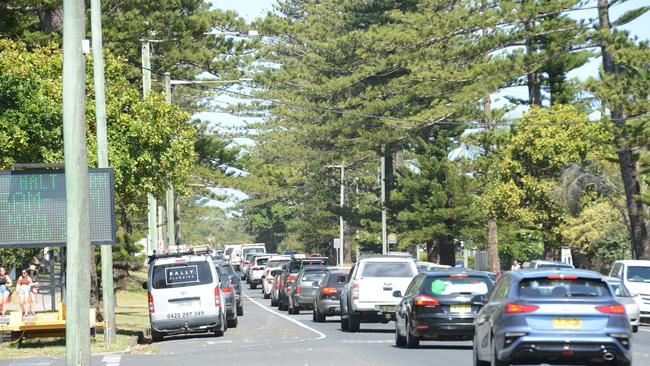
(112, 360)
(296, 322)
(644, 330)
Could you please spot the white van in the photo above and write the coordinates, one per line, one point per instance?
(635, 274)
(184, 295)
(232, 254)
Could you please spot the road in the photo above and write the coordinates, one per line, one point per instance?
(268, 337)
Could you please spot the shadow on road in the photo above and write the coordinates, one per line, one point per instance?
(378, 331)
(442, 347)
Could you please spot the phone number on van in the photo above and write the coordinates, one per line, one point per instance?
(187, 314)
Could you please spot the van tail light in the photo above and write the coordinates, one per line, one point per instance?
(355, 292)
(329, 291)
(611, 309)
(520, 309)
(425, 300)
(151, 308)
(217, 297)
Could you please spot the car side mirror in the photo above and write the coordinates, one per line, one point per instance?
(315, 284)
(397, 293)
(340, 279)
(145, 285)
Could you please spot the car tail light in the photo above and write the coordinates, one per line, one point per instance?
(611, 309)
(180, 260)
(329, 291)
(256, 268)
(151, 308)
(562, 277)
(291, 278)
(355, 292)
(458, 275)
(227, 290)
(298, 290)
(425, 300)
(217, 297)
(520, 309)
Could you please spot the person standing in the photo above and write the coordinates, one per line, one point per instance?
(24, 287)
(5, 285)
(33, 274)
(515, 266)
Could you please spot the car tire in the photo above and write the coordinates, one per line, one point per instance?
(344, 324)
(354, 322)
(318, 316)
(253, 286)
(495, 359)
(267, 296)
(411, 340)
(240, 311)
(232, 323)
(400, 340)
(274, 302)
(156, 336)
(221, 329)
(635, 329)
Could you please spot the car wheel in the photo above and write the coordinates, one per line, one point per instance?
(274, 302)
(267, 296)
(635, 328)
(344, 322)
(156, 336)
(232, 323)
(221, 329)
(495, 359)
(253, 286)
(240, 311)
(354, 322)
(400, 340)
(411, 340)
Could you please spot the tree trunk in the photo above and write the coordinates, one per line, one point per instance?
(493, 246)
(432, 252)
(94, 283)
(626, 159)
(447, 251)
(51, 19)
(346, 245)
(534, 85)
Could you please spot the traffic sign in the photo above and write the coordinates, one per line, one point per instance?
(33, 208)
(337, 243)
(391, 238)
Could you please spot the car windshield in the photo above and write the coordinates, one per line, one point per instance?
(620, 290)
(175, 275)
(448, 287)
(262, 261)
(638, 274)
(253, 250)
(387, 269)
(562, 288)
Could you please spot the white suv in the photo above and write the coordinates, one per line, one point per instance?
(635, 274)
(368, 294)
(184, 295)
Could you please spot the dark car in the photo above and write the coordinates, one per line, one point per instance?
(301, 293)
(235, 280)
(552, 317)
(291, 273)
(229, 298)
(327, 296)
(440, 306)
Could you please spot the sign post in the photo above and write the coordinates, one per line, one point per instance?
(391, 239)
(337, 245)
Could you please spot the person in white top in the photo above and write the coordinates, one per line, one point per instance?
(515, 266)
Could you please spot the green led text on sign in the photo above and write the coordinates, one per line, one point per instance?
(33, 208)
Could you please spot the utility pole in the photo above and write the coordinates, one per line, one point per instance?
(171, 206)
(384, 244)
(342, 203)
(77, 327)
(102, 162)
(146, 88)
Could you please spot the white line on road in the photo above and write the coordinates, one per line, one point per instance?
(112, 360)
(298, 323)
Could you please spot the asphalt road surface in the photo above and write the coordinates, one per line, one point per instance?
(268, 337)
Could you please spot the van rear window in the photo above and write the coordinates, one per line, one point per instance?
(175, 275)
(387, 269)
(563, 288)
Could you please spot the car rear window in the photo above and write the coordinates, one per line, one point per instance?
(562, 288)
(387, 269)
(313, 276)
(452, 287)
(228, 270)
(276, 263)
(175, 275)
(262, 261)
(333, 278)
(638, 274)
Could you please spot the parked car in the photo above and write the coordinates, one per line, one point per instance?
(368, 294)
(544, 264)
(268, 278)
(301, 292)
(228, 269)
(635, 275)
(184, 295)
(275, 290)
(440, 306)
(552, 317)
(327, 295)
(625, 297)
(257, 270)
(428, 266)
(290, 274)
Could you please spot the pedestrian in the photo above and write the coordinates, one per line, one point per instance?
(33, 274)
(5, 293)
(24, 288)
(515, 266)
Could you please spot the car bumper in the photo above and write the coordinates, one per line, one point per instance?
(443, 326)
(304, 302)
(329, 306)
(565, 351)
(185, 324)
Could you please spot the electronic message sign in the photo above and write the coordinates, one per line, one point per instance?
(33, 207)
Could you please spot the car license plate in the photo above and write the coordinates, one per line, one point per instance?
(187, 304)
(460, 308)
(567, 323)
(387, 308)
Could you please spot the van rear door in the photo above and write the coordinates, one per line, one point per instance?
(181, 287)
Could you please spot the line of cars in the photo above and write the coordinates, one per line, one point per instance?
(189, 291)
(551, 314)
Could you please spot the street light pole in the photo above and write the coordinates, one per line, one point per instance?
(171, 206)
(77, 192)
(384, 245)
(146, 88)
(102, 162)
(342, 203)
